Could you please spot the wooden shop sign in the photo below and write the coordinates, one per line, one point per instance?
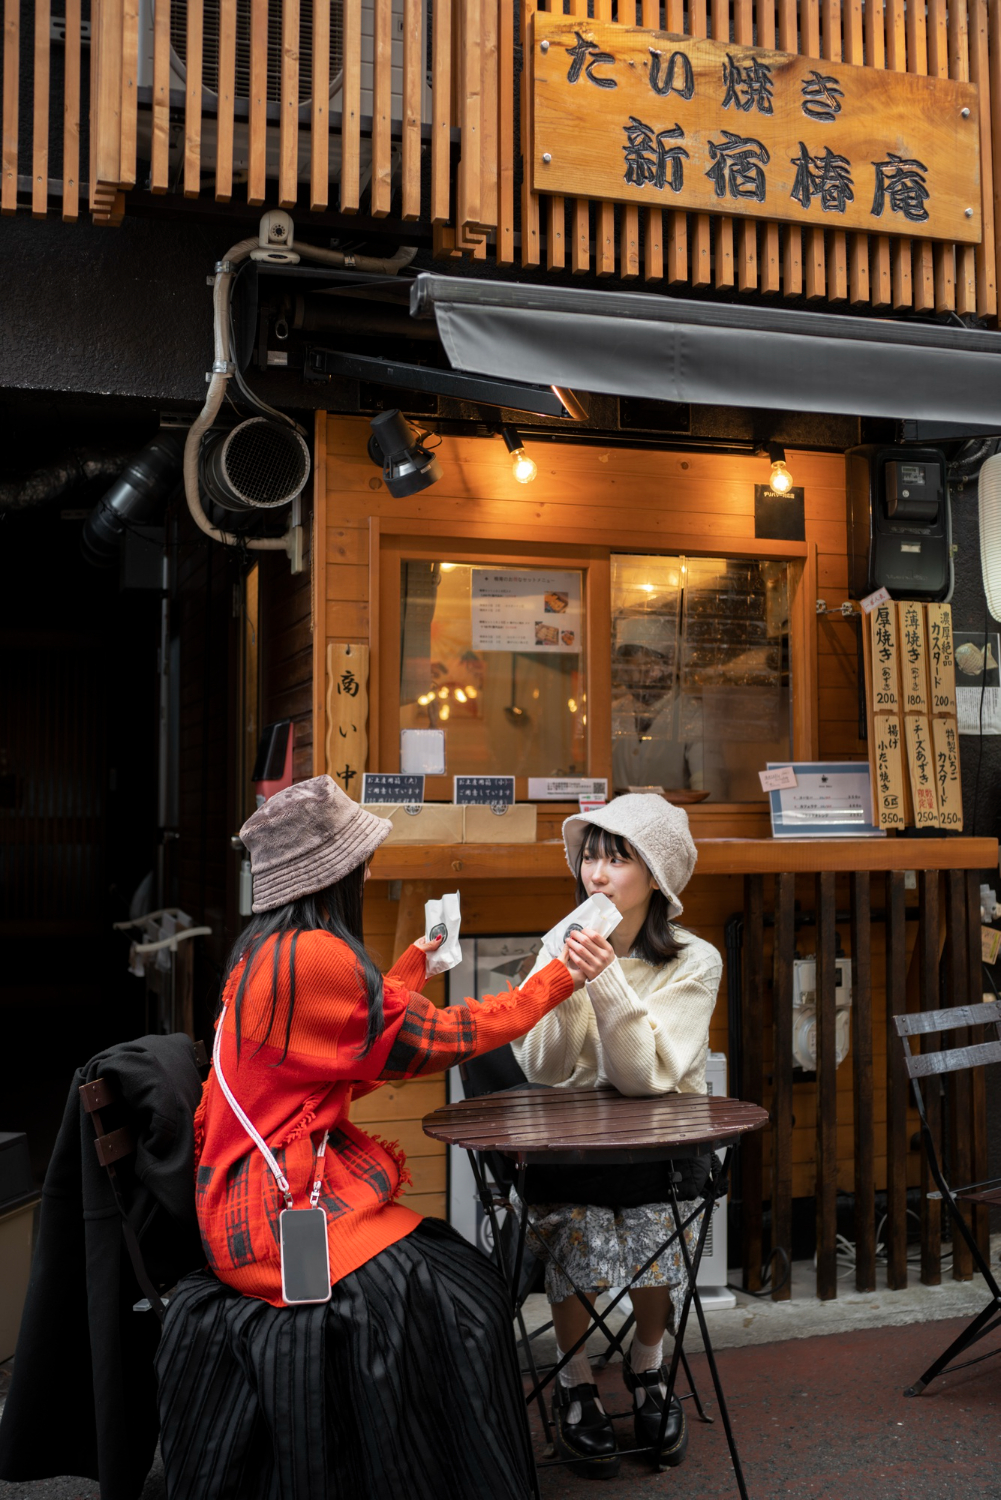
(645, 117)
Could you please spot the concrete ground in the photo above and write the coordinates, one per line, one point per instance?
(814, 1416)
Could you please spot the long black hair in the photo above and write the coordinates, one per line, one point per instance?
(337, 910)
(655, 941)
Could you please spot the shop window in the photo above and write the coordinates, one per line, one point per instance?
(493, 656)
(700, 673)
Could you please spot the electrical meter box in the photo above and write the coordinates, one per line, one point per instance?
(899, 522)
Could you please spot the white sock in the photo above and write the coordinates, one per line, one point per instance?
(646, 1357)
(577, 1370)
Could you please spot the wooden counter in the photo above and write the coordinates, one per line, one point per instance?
(716, 857)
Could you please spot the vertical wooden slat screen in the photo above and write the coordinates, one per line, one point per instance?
(917, 62)
(469, 213)
(382, 108)
(40, 113)
(958, 1093)
(814, 258)
(782, 987)
(928, 955)
(698, 25)
(862, 1085)
(677, 219)
(723, 260)
(71, 113)
(653, 218)
(410, 148)
(580, 208)
(746, 247)
(629, 213)
(288, 128)
(831, 48)
(259, 99)
(792, 235)
(505, 133)
(225, 100)
(943, 256)
(896, 62)
(992, 199)
(880, 289)
(980, 74)
(959, 68)
(160, 123)
(193, 98)
(105, 116)
(11, 80)
(979, 1171)
(896, 1085)
(130, 97)
(827, 1090)
(753, 1079)
(488, 114)
(351, 100)
(770, 275)
(604, 221)
(319, 142)
(529, 200)
(858, 244)
(556, 209)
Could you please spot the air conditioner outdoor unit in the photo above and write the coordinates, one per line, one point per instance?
(210, 74)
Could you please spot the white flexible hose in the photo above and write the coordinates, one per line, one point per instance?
(223, 369)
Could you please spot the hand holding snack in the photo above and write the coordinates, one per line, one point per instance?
(428, 945)
(588, 953)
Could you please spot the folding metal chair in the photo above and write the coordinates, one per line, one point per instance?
(932, 1065)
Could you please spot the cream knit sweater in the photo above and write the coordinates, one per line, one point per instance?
(640, 1027)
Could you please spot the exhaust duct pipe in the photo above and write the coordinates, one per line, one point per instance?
(134, 498)
(259, 465)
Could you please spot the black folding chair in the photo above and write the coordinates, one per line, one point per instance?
(932, 1065)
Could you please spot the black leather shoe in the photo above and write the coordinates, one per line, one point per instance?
(590, 1442)
(648, 1414)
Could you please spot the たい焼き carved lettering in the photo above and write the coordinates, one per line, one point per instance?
(666, 83)
(748, 86)
(584, 58)
(822, 96)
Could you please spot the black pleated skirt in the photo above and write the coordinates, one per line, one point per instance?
(404, 1386)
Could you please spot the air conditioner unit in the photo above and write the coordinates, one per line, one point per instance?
(210, 76)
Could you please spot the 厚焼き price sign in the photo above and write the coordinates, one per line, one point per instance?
(668, 121)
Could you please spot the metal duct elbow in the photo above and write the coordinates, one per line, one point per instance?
(134, 498)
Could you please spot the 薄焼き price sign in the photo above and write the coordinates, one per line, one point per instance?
(668, 121)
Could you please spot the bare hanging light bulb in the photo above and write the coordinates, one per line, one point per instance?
(780, 478)
(523, 468)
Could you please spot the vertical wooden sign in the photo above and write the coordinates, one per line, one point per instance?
(346, 748)
(921, 763)
(945, 743)
(888, 771)
(883, 648)
(941, 662)
(913, 658)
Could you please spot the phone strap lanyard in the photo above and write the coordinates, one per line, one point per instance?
(257, 1138)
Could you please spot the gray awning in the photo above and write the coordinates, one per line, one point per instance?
(668, 349)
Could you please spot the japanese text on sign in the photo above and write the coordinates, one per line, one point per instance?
(639, 116)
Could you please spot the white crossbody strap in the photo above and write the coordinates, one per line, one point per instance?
(244, 1119)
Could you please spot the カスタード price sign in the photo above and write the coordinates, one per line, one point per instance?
(645, 117)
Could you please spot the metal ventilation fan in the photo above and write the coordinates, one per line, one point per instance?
(259, 465)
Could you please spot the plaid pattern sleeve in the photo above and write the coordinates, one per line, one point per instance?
(423, 1039)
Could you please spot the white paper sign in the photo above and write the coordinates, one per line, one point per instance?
(525, 611)
(873, 601)
(774, 781)
(567, 788)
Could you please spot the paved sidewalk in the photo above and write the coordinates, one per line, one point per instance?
(825, 1418)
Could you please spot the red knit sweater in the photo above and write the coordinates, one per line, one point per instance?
(293, 1102)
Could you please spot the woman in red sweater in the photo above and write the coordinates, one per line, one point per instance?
(404, 1382)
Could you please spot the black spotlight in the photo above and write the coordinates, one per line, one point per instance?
(407, 468)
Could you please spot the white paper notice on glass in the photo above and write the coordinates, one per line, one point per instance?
(422, 752)
(831, 799)
(525, 611)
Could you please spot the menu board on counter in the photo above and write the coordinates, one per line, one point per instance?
(831, 799)
(525, 610)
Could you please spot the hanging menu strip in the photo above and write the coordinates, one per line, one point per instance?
(381, 786)
(484, 791)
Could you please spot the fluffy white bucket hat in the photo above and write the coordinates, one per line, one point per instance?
(657, 830)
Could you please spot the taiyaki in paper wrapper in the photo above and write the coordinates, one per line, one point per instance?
(597, 912)
(442, 919)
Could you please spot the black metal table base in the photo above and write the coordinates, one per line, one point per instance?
(682, 1219)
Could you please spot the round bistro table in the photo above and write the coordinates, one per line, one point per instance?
(600, 1127)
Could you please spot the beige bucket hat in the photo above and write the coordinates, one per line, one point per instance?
(304, 838)
(657, 830)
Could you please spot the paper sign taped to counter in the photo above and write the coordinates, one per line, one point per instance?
(872, 601)
(597, 912)
(774, 781)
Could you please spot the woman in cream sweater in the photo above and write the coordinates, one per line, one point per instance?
(641, 1025)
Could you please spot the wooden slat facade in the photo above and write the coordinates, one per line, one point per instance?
(357, 138)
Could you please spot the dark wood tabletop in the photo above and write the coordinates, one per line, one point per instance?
(597, 1125)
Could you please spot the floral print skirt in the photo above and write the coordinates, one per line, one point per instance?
(598, 1248)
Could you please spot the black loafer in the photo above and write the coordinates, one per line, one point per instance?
(589, 1443)
(647, 1416)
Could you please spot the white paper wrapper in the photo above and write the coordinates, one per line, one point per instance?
(597, 912)
(439, 915)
